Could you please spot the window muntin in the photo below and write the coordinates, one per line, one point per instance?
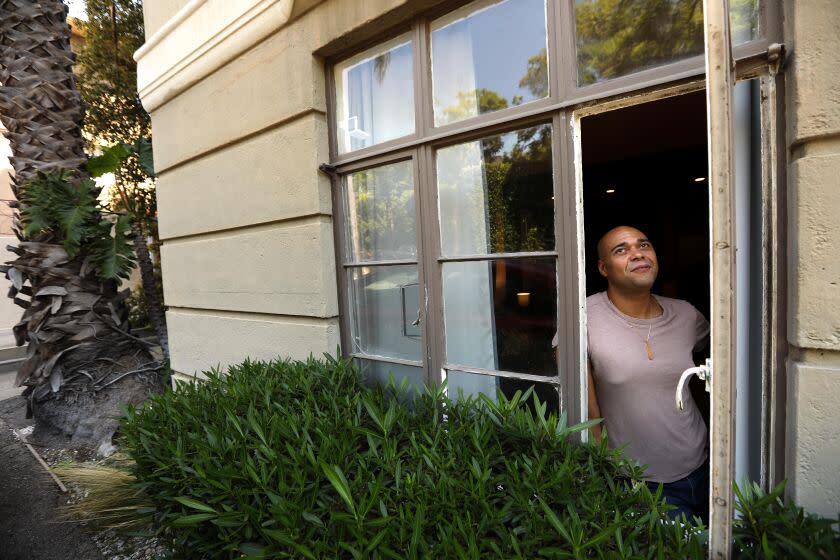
(375, 95)
(501, 314)
(382, 372)
(614, 39)
(488, 56)
(379, 206)
(461, 383)
(496, 194)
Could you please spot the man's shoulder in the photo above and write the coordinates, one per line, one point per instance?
(596, 301)
(677, 305)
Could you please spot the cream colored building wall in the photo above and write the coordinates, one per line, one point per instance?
(813, 137)
(156, 14)
(238, 105)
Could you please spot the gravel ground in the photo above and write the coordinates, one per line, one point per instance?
(30, 501)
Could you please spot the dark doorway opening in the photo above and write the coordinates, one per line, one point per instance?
(645, 166)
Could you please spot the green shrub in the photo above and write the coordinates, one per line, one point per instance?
(300, 459)
(768, 528)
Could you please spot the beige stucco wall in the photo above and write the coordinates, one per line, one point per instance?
(156, 14)
(245, 215)
(813, 137)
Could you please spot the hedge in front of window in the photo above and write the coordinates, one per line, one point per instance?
(300, 459)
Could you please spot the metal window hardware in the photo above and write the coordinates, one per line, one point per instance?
(703, 372)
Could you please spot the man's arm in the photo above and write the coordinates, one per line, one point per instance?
(594, 409)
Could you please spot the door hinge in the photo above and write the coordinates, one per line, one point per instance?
(775, 57)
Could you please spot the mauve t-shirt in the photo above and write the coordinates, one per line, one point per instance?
(636, 394)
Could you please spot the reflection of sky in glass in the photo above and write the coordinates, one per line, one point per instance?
(375, 96)
(489, 49)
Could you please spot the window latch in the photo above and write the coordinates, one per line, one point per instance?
(703, 372)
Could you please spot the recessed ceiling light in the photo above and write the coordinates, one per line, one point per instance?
(699, 179)
(610, 191)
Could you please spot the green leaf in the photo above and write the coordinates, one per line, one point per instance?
(284, 538)
(110, 160)
(253, 550)
(194, 504)
(193, 519)
(143, 147)
(339, 482)
(314, 519)
(112, 249)
(555, 522)
(800, 550)
(75, 215)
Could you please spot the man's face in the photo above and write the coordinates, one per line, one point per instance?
(627, 260)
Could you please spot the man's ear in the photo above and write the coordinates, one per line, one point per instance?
(602, 268)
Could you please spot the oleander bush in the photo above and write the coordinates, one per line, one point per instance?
(302, 460)
(768, 528)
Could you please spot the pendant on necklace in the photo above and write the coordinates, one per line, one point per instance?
(649, 350)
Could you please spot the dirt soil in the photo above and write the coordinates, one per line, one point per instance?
(30, 526)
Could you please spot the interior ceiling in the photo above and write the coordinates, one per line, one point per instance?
(671, 124)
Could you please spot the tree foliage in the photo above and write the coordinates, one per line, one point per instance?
(52, 203)
(115, 117)
(107, 78)
(107, 72)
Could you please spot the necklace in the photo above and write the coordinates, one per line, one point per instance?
(648, 347)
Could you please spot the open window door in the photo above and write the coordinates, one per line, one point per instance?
(720, 84)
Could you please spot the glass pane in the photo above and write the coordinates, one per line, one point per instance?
(384, 311)
(380, 372)
(488, 56)
(501, 314)
(496, 194)
(462, 384)
(619, 38)
(379, 210)
(375, 96)
(744, 18)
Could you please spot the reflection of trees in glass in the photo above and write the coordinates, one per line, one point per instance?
(743, 19)
(504, 182)
(380, 66)
(471, 103)
(536, 76)
(519, 188)
(381, 213)
(617, 37)
(479, 101)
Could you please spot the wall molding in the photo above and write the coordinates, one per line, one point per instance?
(199, 39)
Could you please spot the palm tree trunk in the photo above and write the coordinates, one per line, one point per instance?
(39, 103)
(75, 325)
(154, 306)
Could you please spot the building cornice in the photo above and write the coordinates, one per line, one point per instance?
(199, 39)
